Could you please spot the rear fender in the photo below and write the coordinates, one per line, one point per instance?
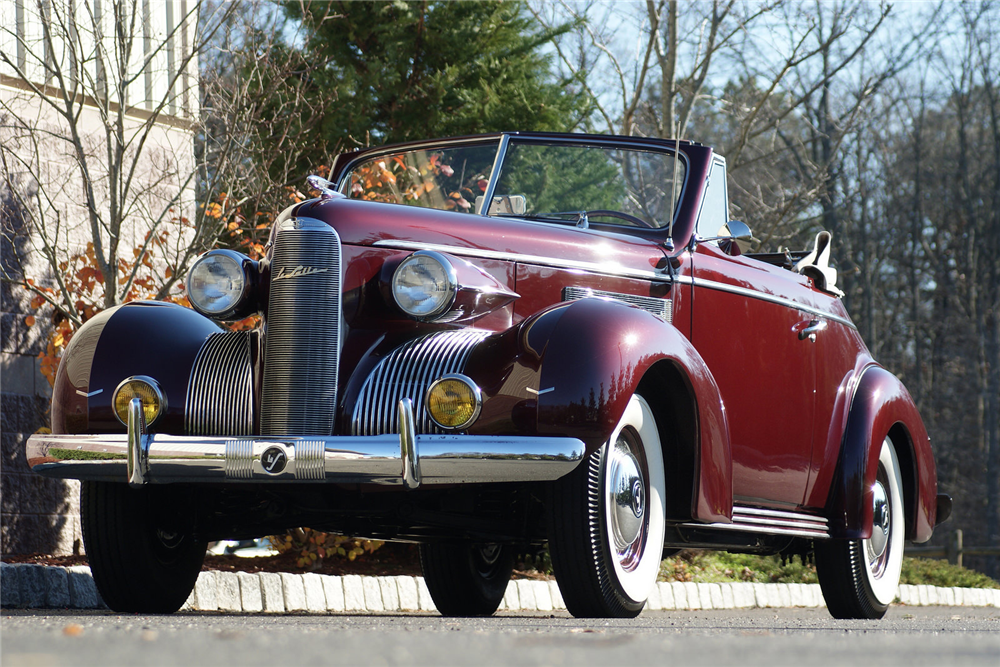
(594, 354)
(881, 406)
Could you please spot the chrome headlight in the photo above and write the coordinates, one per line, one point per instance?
(424, 285)
(219, 284)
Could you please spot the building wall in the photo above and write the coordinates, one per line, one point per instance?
(39, 514)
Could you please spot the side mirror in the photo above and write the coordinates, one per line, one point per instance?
(739, 235)
(735, 238)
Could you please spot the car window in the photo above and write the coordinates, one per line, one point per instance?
(715, 207)
(618, 186)
(448, 179)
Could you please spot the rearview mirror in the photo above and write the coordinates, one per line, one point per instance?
(504, 204)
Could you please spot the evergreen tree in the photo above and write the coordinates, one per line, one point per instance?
(399, 71)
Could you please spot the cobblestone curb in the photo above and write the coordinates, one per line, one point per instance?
(40, 587)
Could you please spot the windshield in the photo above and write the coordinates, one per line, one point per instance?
(448, 178)
(618, 186)
(560, 182)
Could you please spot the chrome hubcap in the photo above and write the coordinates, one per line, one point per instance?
(881, 526)
(625, 494)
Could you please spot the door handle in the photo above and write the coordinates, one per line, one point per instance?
(813, 328)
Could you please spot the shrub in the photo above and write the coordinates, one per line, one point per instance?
(312, 546)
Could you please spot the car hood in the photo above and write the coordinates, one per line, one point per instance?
(369, 223)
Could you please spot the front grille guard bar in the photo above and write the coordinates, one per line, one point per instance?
(407, 459)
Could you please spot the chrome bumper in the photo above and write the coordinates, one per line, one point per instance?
(407, 459)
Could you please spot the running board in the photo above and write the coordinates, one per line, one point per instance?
(770, 522)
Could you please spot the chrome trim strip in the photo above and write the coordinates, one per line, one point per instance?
(624, 272)
(605, 269)
(771, 522)
(766, 530)
(781, 301)
(443, 459)
(779, 514)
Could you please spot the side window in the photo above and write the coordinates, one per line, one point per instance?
(715, 208)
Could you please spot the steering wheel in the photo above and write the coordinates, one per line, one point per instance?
(607, 213)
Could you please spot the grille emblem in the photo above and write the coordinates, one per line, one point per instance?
(298, 271)
(273, 460)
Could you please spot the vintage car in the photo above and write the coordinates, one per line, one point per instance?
(486, 344)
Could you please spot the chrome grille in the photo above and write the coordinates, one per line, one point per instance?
(406, 373)
(303, 331)
(662, 308)
(220, 388)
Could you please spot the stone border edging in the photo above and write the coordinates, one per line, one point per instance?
(26, 586)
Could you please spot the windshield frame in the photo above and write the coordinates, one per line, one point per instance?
(348, 161)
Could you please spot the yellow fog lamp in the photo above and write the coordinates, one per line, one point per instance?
(147, 390)
(453, 401)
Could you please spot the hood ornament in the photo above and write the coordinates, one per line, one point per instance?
(324, 186)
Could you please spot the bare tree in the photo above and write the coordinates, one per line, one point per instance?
(771, 85)
(98, 126)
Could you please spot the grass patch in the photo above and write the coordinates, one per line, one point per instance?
(935, 572)
(722, 567)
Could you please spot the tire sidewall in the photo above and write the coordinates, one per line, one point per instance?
(636, 584)
(885, 587)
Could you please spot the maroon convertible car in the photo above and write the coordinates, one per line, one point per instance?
(484, 345)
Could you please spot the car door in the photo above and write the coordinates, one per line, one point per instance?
(746, 325)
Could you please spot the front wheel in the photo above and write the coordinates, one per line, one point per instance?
(140, 563)
(606, 521)
(859, 578)
(467, 579)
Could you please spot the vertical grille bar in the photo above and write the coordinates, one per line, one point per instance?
(303, 330)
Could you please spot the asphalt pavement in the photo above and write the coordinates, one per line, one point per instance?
(914, 636)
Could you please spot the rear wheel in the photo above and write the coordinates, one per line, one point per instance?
(859, 578)
(606, 521)
(467, 579)
(139, 562)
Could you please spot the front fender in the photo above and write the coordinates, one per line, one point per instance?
(882, 406)
(160, 340)
(593, 356)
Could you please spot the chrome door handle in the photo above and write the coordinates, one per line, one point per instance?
(814, 327)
